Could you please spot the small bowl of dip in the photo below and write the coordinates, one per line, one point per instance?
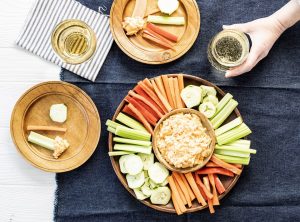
(184, 140)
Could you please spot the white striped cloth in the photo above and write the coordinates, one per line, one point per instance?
(46, 15)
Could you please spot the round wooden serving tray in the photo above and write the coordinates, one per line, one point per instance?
(83, 125)
(228, 182)
(148, 52)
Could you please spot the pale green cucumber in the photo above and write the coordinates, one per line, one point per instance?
(148, 160)
(135, 181)
(158, 173)
(133, 164)
(208, 109)
(161, 196)
(139, 194)
(191, 96)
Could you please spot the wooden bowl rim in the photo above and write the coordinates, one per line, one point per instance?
(121, 177)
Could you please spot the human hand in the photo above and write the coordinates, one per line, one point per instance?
(263, 33)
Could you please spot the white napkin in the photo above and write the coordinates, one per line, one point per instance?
(46, 15)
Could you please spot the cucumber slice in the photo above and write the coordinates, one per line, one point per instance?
(122, 162)
(135, 181)
(208, 109)
(133, 164)
(58, 113)
(118, 153)
(168, 6)
(146, 174)
(158, 173)
(208, 90)
(139, 194)
(210, 98)
(148, 160)
(153, 185)
(191, 96)
(147, 191)
(161, 195)
(164, 183)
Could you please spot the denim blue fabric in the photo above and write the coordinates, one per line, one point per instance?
(269, 99)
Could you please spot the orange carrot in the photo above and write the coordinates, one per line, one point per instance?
(195, 189)
(161, 97)
(208, 194)
(210, 202)
(215, 198)
(211, 164)
(177, 94)
(149, 109)
(219, 185)
(167, 89)
(148, 83)
(156, 109)
(215, 170)
(162, 32)
(46, 128)
(172, 90)
(178, 179)
(130, 113)
(225, 165)
(152, 38)
(181, 87)
(160, 86)
(186, 184)
(182, 197)
(237, 165)
(153, 96)
(141, 117)
(177, 209)
(176, 195)
(158, 36)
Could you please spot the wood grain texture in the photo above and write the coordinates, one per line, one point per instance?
(148, 52)
(228, 182)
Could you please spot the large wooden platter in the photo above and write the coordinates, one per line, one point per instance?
(83, 125)
(228, 182)
(147, 52)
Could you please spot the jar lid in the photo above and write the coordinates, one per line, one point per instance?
(74, 41)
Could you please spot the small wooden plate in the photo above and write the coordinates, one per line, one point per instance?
(83, 125)
(210, 131)
(148, 52)
(228, 182)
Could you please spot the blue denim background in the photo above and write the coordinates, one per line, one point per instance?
(268, 96)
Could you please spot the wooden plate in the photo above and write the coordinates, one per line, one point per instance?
(228, 182)
(83, 125)
(148, 52)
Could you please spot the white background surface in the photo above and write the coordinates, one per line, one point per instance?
(26, 193)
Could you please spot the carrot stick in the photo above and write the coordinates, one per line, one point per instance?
(167, 89)
(150, 37)
(162, 32)
(183, 188)
(152, 95)
(149, 109)
(177, 209)
(160, 86)
(181, 87)
(171, 84)
(182, 197)
(219, 185)
(208, 194)
(176, 195)
(130, 113)
(46, 128)
(141, 117)
(202, 192)
(211, 164)
(225, 165)
(148, 83)
(191, 194)
(161, 97)
(195, 189)
(237, 165)
(158, 36)
(177, 94)
(156, 109)
(215, 170)
(215, 198)
(210, 203)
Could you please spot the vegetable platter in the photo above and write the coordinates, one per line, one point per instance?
(46, 123)
(143, 112)
(155, 32)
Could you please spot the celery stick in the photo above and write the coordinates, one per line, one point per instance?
(166, 20)
(224, 113)
(118, 153)
(129, 141)
(126, 132)
(111, 129)
(231, 153)
(241, 142)
(231, 159)
(222, 103)
(41, 140)
(232, 124)
(133, 148)
(112, 124)
(235, 148)
(234, 134)
(132, 123)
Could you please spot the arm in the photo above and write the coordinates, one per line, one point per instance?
(264, 32)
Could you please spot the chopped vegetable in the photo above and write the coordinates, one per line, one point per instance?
(191, 194)
(165, 80)
(216, 170)
(112, 124)
(234, 148)
(225, 165)
(126, 120)
(211, 164)
(208, 109)
(213, 185)
(133, 148)
(210, 98)
(232, 153)
(126, 132)
(223, 102)
(161, 97)
(58, 113)
(177, 198)
(158, 173)
(160, 86)
(208, 90)
(135, 181)
(232, 159)
(112, 130)
(122, 160)
(181, 86)
(153, 38)
(234, 134)
(139, 8)
(130, 113)
(181, 195)
(206, 191)
(209, 201)
(165, 20)
(130, 141)
(176, 206)
(158, 36)
(232, 124)
(162, 32)
(182, 186)
(219, 185)
(191, 96)
(46, 128)
(133, 164)
(177, 93)
(172, 91)
(195, 189)
(168, 6)
(139, 194)
(161, 195)
(147, 159)
(118, 153)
